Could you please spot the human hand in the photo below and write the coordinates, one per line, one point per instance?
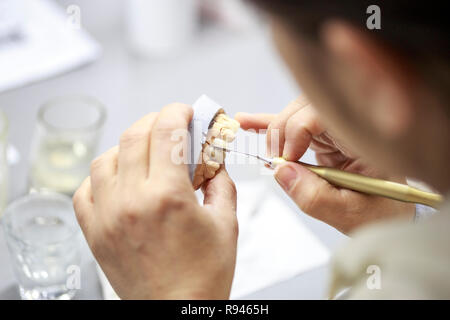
(290, 134)
(142, 221)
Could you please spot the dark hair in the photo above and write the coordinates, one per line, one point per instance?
(415, 27)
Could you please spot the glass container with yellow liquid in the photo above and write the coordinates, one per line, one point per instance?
(64, 145)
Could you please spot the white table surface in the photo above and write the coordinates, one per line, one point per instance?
(241, 71)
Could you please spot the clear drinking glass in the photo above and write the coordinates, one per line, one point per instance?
(3, 161)
(43, 239)
(65, 141)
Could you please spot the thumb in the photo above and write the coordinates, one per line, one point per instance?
(312, 194)
(220, 194)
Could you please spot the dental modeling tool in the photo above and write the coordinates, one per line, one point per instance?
(360, 183)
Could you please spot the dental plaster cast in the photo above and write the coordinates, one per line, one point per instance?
(217, 131)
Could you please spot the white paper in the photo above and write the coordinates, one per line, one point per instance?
(45, 45)
(274, 245)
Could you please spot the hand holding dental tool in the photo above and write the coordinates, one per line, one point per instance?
(358, 182)
(206, 112)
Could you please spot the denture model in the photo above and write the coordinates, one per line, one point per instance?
(217, 131)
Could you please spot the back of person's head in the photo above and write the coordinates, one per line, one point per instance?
(416, 29)
(379, 74)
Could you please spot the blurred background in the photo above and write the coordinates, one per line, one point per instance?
(80, 72)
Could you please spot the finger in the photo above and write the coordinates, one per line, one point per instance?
(257, 121)
(220, 194)
(275, 134)
(299, 131)
(104, 167)
(103, 173)
(134, 153)
(312, 194)
(169, 131)
(83, 205)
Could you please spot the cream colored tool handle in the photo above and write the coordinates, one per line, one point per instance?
(373, 186)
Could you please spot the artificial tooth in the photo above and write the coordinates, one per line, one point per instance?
(219, 156)
(209, 151)
(219, 143)
(228, 135)
(213, 164)
(206, 157)
(213, 133)
(222, 132)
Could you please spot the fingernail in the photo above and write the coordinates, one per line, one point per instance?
(286, 176)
